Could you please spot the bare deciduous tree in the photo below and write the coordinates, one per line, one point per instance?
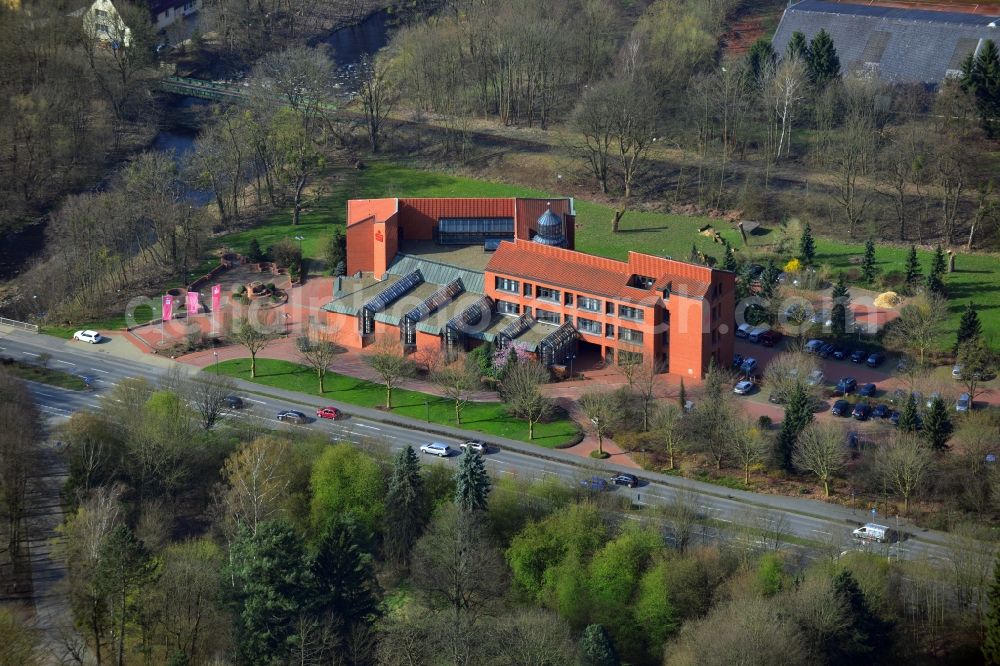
(256, 478)
(457, 381)
(819, 450)
(390, 364)
(521, 390)
(318, 354)
(903, 464)
(599, 408)
(920, 323)
(255, 336)
(377, 93)
(208, 394)
(747, 444)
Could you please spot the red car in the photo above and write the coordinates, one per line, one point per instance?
(770, 338)
(328, 413)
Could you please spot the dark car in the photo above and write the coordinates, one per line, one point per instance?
(594, 483)
(737, 361)
(875, 359)
(292, 416)
(754, 271)
(624, 479)
(858, 356)
(827, 350)
(841, 408)
(894, 417)
(770, 338)
(233, 402)
(881, 412)
(867, 390)
(749, 365)
(776, 398)
(841, 353)
(846, 385)
(862, 411)
(898, 397)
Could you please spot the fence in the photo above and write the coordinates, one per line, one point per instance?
(24, 326)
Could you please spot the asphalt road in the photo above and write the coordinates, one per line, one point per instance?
(821, 523)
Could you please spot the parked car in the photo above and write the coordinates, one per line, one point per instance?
(881, 411)
(594, 483)
(743, 388)
(748, 366)
(867, 390)
(328, 413)
(436, 449)
(625, 479)
(743, 330)
(756, 333)
(826, 351)
(956, 371)
(858, 356)
(776, 398)
(233, 402)
(903, 365)
(473, 445)
(841, 408)
(754, 271)
(93, 337)
(875, 359)
(813, 346)
(815, 378)
(847, 385)
(771, 338)
(737, 361)
(898, 396)
(964, 403)
(936, 395)
(894, 417)
(292, 416)
(861, 411)
(841, 353)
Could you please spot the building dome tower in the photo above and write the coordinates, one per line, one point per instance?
(550, 230)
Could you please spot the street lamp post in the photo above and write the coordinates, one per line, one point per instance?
(216, 354)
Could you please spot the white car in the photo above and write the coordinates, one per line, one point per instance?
(436, 449)
(93, 337)
(472, 445)
(963, 403)
(743, 388)
(815, 378)
(956, 371)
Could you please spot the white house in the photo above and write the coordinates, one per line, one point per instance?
(107, 25)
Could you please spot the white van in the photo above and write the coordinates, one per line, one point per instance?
(873, 532)
(757, 332)
(743, 330)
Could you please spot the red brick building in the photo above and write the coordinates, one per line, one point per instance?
(454, 272)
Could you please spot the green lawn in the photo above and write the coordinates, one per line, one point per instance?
(37, 373)
(977, 277)
(490, 418)
(142, 314)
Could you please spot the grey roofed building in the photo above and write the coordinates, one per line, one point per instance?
(897, 45)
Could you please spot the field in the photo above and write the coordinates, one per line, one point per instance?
(977, 276)
(490, 417)
(38, 373)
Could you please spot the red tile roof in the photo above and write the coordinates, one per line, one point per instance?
(598, 275)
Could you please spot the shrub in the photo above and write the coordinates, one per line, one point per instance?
(286, 253)
(793, 266)
(764, 422)
(254, 253)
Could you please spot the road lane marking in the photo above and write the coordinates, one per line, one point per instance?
(63, 362)
(820, 531)
(259, 402)
(362, 425)
(30, 354)
(103, 372)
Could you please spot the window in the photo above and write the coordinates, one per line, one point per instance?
(101, 28)
(609, 308)
(591, 304)
(569, 298)
(546, 294)
(527, 310)
(568, 319)
(100, 13)
(588, 326)
(547, 316)
(508, 285)
(641, 282)
(630, 313)
(527, 289)
(506, 307)
(609, 331)
(629, 335)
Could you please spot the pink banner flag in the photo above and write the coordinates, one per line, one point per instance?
(192, 302)
(216, 297)
(168, 307)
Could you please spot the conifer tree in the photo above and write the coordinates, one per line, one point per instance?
(824, 64)
(866, 634)
(798, 47)
(868, 268)
(969, 328)
(807, 246)
(841, 301)
(769, 279)
(908, 417)
(912, 276)
(344, 576)
(798, 415)
(937, 426)
(404, 503)
(729, 259)
(472, 483)
(682, 396)
(935, 279)
(596, 648)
